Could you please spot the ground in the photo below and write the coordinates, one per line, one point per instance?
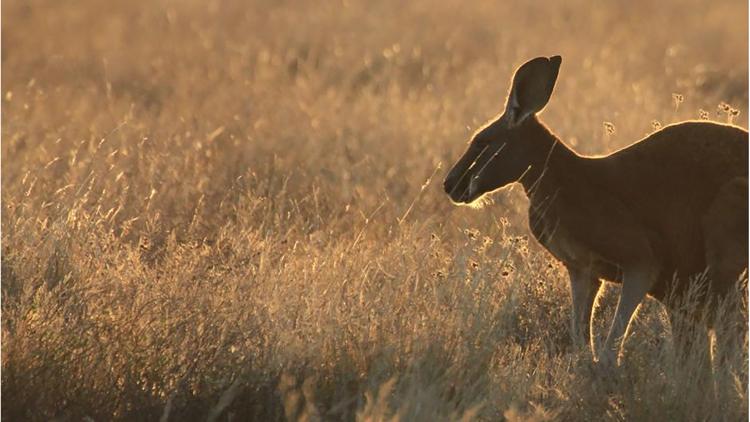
(234, 209)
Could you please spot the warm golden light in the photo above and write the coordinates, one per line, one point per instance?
(234, 210)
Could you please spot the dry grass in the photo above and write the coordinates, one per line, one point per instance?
(226, 210)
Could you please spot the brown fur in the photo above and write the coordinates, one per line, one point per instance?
(661, 210)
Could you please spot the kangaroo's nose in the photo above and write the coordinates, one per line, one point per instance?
(448, 185)
(473, 186)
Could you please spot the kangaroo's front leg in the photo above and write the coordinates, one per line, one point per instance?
(637, 281)
(583, 289)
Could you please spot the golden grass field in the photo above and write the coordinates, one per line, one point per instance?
(233, 210)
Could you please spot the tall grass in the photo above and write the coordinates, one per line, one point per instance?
(232, 210)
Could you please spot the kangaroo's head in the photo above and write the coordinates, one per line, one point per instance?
(498, 154)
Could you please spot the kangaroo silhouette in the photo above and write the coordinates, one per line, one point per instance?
(649, 216)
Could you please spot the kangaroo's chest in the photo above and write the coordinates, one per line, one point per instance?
(557, 235)
(551, 232)
(562, 242)
(565, 227)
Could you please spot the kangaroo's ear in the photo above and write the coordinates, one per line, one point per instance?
(532, 87)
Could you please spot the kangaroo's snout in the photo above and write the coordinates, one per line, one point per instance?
(448, 184)
(457, 190)
(473, 187)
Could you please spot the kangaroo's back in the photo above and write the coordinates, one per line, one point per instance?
(697, 150)
(670, 181)
(682, 165)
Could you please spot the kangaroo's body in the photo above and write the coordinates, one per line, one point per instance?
(656, 194)
(649, 216)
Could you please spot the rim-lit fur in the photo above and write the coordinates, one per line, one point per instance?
(649, 216)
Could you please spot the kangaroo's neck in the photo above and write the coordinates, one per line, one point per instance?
(548, 159)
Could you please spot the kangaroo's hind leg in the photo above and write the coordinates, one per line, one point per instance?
(725, 229)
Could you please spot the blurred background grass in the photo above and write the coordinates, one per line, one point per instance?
(234, 208)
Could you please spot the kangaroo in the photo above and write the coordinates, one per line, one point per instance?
(648, 216)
